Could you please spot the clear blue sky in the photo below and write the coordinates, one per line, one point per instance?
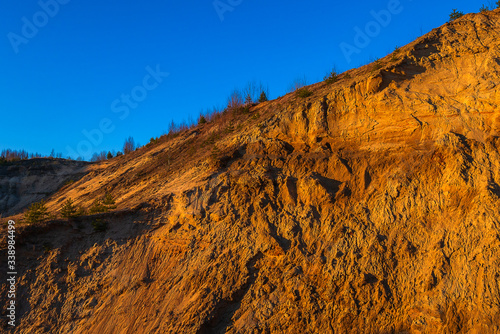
(76, 68)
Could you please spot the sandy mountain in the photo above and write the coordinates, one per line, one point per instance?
(370, 206)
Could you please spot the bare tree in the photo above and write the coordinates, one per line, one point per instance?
(183, 126)
(98, 156)
(129, 145)
(253, 91)
(235, 100)
(12, 155)
(298, 83)
(172, 128)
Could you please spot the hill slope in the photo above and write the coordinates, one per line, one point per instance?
(371, 206)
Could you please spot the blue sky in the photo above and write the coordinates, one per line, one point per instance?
(68, 65)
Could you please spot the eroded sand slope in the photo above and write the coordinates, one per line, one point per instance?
(371, 206)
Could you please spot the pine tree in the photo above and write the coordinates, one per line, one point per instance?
(109, 156)
(248, 99)
(331, 77)
(37, 212)
(69, 210)
(263, 96)
(455, 14)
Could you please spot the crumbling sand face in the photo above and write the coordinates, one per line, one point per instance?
(371, 206)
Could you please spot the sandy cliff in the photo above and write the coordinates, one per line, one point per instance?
(371, 206)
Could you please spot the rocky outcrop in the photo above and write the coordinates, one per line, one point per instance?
(369, 207)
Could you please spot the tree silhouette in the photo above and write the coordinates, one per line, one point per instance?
(455, 14)
(129, 145)
(263, 97)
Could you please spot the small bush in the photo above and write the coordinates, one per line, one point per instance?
(243, 109)
(99, 225)
(97, 207)
(455, 14)
(36, 213)
(153, 141)
(211, 139)
(103, 205)
(109, 201)
(304, 92)
(395, 54)
(110, 155)
(69, 210)
(202, 120)
(331, 77)
(377, 65)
